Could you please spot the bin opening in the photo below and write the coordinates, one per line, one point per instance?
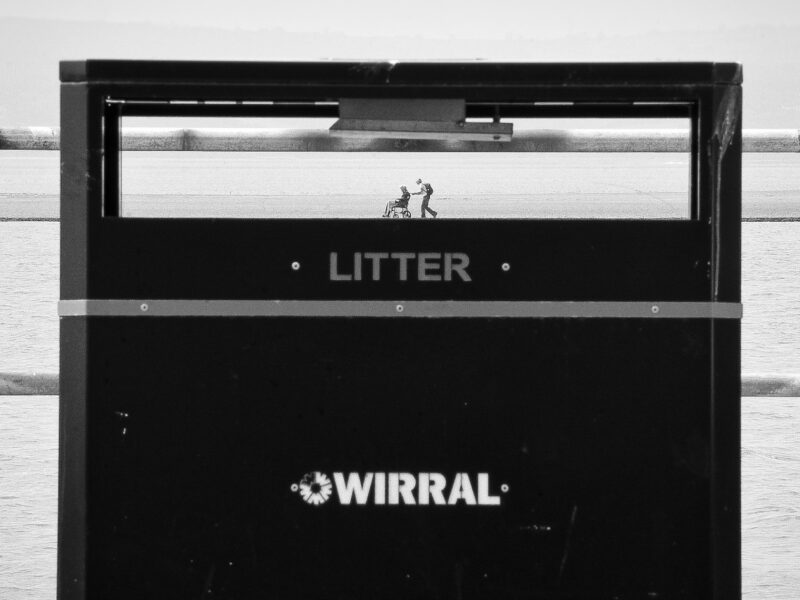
(289, 168)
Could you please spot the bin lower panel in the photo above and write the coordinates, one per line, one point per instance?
(199, 432)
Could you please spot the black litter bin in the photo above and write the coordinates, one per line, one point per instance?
(234, 424)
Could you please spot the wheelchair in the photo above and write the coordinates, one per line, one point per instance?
(399, 211)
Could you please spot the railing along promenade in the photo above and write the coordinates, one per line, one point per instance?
(301, 140)
(316, 140)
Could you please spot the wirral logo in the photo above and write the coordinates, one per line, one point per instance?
(314, 488)
(392, 489)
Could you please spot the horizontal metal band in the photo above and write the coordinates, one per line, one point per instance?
(46, 384)
(400, 309)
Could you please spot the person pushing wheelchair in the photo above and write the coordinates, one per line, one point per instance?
(425, 190)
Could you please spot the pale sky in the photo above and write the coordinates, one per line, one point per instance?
(429, 18)
(763, 34)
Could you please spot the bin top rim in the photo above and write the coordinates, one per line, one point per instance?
(398, 73)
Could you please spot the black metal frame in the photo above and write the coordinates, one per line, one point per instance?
(105, 257)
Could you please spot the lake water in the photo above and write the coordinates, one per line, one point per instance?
(358, 185)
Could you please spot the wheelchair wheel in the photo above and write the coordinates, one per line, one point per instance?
(395, 215)
(406, 214)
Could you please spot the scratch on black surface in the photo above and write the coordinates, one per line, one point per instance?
(373, 71)
(565, 555)
(206, 592)
(729, 109)
(389, 71)
(725, 127)
(459, 579)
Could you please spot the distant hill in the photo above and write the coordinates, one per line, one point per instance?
(31, 48)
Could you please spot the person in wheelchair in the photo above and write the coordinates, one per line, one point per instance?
(399, 207)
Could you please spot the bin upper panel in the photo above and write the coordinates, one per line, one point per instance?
(398, 73)
(121, 258)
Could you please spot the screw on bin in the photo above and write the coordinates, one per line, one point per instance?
(655, 309)
(504, 488)
(144, 307)
(295, 266)
(399, 308)
(505, 266)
